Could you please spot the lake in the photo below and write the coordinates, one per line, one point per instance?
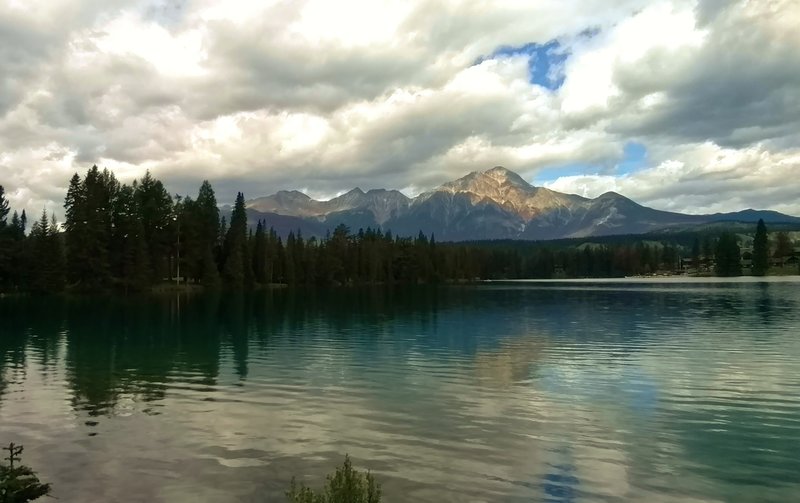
(640, 390)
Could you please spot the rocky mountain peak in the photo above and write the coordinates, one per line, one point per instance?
(494, 183)
(491, 204)
(505, 176)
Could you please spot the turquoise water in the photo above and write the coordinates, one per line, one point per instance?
(564, 392)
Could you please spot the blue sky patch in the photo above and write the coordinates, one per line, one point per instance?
(635, 155)
(552, 173)
(634, 158)
(545, 61)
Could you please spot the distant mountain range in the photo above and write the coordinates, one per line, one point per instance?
(492, 204)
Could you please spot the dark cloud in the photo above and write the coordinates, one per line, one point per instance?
(269, 100)
(741, 87)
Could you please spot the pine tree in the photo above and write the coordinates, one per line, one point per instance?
(75, 227)
(131, 263)
(9, 247)
(89, 228)
(207, 214)
(234, 269)
(247, 261)
(156, 211)
(220, 245)
(4, 208)
(783, 247)
(728, 255)
(760, 250)
(708, 252)
(44, 254)
(235, 249)
(271, 258)
(696, 254)
(191, 248)
(290, 275)
(210, 275)
(260, 254)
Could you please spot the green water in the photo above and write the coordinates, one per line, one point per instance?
(563, 392)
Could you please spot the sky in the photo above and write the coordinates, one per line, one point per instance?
(689, 106)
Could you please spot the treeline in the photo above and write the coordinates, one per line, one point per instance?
(134, 237)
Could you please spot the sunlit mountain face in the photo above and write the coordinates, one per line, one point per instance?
(492, 204)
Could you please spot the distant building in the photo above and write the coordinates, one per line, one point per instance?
(747, 259)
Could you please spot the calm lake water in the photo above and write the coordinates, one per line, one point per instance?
(639, 391)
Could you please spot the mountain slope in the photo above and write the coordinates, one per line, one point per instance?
(492, 204)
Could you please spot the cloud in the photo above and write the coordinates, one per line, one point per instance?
(272, 95)
(704, 178)
(735, 83)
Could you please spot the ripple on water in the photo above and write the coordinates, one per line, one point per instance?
(665, 392)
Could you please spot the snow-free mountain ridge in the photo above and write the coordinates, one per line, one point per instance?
(492, 204)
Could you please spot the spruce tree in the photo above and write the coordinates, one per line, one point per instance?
(760, 250)
(247, 261)
(74, 227)
(57, 255)
(44, 254)
(696, 254)
(131, 263)
(4, 208)
(207, 214)
(8, 247)
(17, 255)
(271, 257)
(260, 254)
(156, 211)
(210, 274)
(234, 269)
(783, 247)
(728, 255)
(236, 247)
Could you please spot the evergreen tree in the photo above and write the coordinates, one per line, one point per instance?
(131, 261)
(191, 250)
(75, 227)
(17, 252)
(207, 215)
(156, 212)
(760, 250)
(234, 269)
(272, 268)
(247, 261)
(19, 483)
(289, 262)
(10, 246)
(696, 254)
(235, 252)
(728, 255)
(89, 228)
(783, 247)
(199, 224)
(260, 254)
(4, 208)
(46, 266)
(210, 275)
(708, 252)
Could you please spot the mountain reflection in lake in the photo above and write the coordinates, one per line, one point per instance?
(640, 391)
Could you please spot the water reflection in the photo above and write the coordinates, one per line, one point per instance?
(496, 393)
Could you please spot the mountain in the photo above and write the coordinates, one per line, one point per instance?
(492, 204)
(382, 204)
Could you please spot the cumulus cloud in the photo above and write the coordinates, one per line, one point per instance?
(324, 96)
(704, 178)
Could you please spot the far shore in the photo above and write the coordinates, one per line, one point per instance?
(676, 278)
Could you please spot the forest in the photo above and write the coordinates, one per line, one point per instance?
(133, 238)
